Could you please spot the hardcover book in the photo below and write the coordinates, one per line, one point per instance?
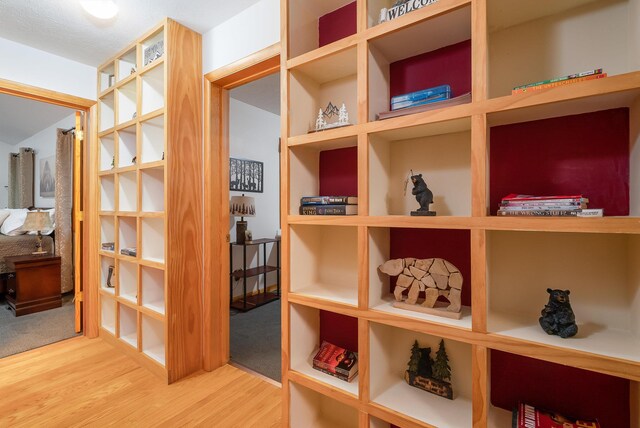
(558, 79)
(558, 83)
(461, 99)
(328, 200)
(328, 209)
(526, 416)
(336, 361)
(412, 98)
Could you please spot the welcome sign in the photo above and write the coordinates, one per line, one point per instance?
(401, 9)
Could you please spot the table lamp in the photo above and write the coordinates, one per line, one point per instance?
(242, 206)
(37, 221)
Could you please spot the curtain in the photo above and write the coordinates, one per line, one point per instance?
(64, 201)
(21, 178)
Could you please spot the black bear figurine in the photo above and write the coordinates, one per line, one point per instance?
(423, 195)
(557, 316)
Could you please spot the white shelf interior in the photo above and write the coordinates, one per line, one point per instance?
(498, 418)
(310, 409)
(128, 281)
(305, 341)
(107, 229)
(303, 18)
(107, 152)
(153, 339)
(548, 28)
(444, 30)
(153, 90)
(152, 288)
(107, 77)
(150, 42)
(127, 98)
(127, 192)
(153, 239)
(128, 325)
(304, 168)
(126, 146)
(107, 193)
(444, 160)
(107, 112)
(390, 349)
(152, 139)
(324, 262)
(312, 93)
(105, 264)
(600, 270)
(126, 63)
(380, 296)
(108, 314)
(126, 233)
(152, 189)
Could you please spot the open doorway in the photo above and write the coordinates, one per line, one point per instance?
(37, 263)
(254, 226)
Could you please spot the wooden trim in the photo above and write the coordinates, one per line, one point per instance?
(479, 50)
(247, 69)
(216, 195)
(480, 385)
(44, 95)
(91, 231)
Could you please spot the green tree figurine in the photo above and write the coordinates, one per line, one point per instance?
(414, 361)
(441, 369)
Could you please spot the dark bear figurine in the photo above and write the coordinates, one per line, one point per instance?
(557, 316)
(423, 195)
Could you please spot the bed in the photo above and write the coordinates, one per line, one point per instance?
(20, 245)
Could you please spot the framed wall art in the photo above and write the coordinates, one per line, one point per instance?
(246, 175)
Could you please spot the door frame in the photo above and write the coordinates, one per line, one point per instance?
(82, 215)
(217, 85)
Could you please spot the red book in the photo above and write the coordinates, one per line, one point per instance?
(513, 197)
(336, 361)
(526, 416)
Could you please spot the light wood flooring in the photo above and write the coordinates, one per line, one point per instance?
(82, 382)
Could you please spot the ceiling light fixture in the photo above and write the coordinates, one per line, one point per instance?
(101, 9)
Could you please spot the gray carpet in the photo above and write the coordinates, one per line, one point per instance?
(255, 339)
(19, 334)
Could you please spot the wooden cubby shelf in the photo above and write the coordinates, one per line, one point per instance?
(150, 105)
(578, 138)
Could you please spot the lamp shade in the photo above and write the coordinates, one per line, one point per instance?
(242, 206)
(37, 221)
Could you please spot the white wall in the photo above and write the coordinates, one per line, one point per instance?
(23, 64)
(44, 144)
(5, 149)
(255, 28)
(254, 134)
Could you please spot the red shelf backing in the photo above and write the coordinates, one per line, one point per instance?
(582, 154)
(341, 330)
(337, 25)
(339, 172)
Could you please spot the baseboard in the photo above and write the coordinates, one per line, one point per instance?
(270, 288)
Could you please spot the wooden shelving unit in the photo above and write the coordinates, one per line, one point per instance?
(149, 127)
(330, 263)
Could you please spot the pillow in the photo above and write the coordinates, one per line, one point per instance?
(13, 224)
(4, 214)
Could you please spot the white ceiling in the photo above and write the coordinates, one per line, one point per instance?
(63, 28)
(20, 118)
(262, 93)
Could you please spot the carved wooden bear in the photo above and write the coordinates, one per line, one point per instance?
(423, 195)
(436, 277)
(557, 316)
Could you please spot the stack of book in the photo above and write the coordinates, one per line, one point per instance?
(336, 361)
(129, 251)
(424, 96)
(108, 246)
(329, 205)
(560, 81)
(526, 416)
(528, 205)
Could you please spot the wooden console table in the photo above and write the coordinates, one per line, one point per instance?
(34, 284)
(261, 298)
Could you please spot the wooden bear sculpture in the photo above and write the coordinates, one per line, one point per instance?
(435, 277)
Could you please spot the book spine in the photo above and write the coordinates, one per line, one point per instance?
(338, 375)
(325, 209)
(328, 200)
(525, 198)
(593, 212)
(406, 104)
(420, 95)
(558, 79)
(559, 83)
(540, 213)
(531, 207)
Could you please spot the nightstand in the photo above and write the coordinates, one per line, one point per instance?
(249, 302)
(34, 283)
